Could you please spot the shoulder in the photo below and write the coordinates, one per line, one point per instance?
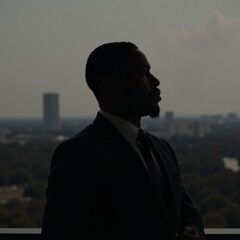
(89, 135)
(81, 138)
(74, 148)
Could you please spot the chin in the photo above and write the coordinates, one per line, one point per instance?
(154, 112)
(154, 115)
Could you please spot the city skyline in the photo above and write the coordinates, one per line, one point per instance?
(50, 102)
(192, 46)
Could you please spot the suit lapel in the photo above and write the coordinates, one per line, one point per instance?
(163, 163)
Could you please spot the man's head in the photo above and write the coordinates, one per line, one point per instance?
(107, 59)
(119, 76)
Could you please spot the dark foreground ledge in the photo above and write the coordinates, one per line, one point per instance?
(34, 233)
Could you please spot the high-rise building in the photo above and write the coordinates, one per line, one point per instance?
(232, 117)
(169, 116)
(51, 118)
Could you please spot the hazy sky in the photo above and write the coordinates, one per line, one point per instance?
(192, 45)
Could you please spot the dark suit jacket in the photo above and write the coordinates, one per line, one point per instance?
(99, 188)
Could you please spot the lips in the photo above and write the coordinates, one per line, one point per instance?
(156, 94)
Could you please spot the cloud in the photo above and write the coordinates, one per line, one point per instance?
(218, 31)
(200, 72)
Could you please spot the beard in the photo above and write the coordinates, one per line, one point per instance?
(152, 108)
(143, 106)
(153, 111)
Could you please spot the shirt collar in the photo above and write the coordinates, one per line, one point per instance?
(127, 129)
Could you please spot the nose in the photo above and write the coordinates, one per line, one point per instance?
(155, 81)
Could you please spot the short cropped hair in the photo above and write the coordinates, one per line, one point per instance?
(106, 59)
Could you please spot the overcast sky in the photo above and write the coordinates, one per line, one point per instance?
(193, 47)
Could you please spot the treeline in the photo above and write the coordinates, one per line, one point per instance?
(214, 189)
(27, 167)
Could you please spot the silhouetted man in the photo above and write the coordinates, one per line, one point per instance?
(113, 180)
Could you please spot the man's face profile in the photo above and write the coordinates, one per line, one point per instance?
(140, 93)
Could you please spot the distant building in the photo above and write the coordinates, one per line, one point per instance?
(232, 117)
(204, 117)
(186, 128)
(170, 128)
(4, 134)
(51, 118)
(202, 128)
(217, 118)
(169, 116)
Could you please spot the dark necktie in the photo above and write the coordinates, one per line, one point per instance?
(155, 173)
(145, 150)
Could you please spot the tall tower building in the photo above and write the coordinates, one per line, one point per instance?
(169, 116)
(51, 119)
